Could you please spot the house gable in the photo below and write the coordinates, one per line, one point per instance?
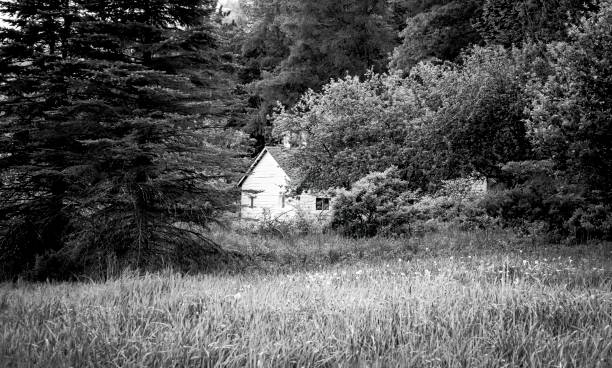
(264, 172)
(265, 187)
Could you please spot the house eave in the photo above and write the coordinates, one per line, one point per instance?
(252, 167)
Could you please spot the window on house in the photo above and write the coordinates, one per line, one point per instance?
(322, 204)
(252, 202)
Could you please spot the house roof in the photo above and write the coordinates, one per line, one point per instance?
(284, 158)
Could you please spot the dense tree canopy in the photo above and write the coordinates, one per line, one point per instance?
(441, 32)
(297, 45)
(441, 122)
(571, 113)
(509, 22)
(476, 119)
(110, 139)
(353, 128)
(113, 114)
(535, 116)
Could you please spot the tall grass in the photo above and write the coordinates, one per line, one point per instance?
(458, 309)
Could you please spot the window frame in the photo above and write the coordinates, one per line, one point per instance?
(322, 203)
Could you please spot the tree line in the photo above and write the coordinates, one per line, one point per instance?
(533, 116)
(290, 46)
(114, 140)
(125, 123)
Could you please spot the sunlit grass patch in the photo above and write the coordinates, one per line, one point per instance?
(484, 309)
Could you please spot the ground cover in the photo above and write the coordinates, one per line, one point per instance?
(379, 302)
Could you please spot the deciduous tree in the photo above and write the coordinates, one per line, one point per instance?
(571, 115)
(509, 22)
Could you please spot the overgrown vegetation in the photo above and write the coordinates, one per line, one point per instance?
(534, 118)
(382, 204)
(115, 148)
(475, 298)
(117, 162)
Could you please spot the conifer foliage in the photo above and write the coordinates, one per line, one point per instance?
(508, 22)
(111, 149)
(303, 44)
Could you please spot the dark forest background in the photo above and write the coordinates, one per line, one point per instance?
(124, 125)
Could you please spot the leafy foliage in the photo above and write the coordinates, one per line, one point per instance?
(540, 193)
(382, 203)
(570, 115)
(475, 113)
(568, 123)
(376, 204)
(441, 122)
(352, 128)
(508, 22)
(452, 120)
(456, 203)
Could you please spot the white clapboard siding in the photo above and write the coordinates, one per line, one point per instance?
(308, 205)
(266, 183)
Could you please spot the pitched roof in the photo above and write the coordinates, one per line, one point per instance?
(284, 158)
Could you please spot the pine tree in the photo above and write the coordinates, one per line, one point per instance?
(441, 32)
(508, 22)
(325, 40)
(113, 149)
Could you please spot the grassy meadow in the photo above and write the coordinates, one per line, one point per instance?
(452, 299)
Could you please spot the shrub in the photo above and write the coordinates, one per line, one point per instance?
(515, 206)
(377, 204)
(456, 203)
(382, 204)
(541, 195)
(301, 223)
(593, 221)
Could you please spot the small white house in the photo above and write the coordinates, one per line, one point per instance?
(265, 189)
